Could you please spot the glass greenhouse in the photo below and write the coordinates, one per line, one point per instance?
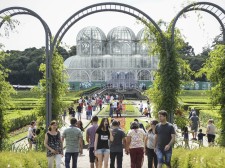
(120, 60)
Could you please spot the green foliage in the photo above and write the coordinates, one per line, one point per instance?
(5, 100)
(59, 85)
(59, 88)
(28, 160)
(214, 69)
(19, 122)
(172, 69)
(24, 65)
(198, 158)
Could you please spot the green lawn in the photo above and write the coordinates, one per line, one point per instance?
(130, 110)
(200, 100)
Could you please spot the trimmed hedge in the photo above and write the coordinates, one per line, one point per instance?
(20, 122)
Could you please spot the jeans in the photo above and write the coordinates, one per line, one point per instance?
(161, 153)
(74, 158)
(136, 157)
(151, 156)
(118, 156)
(57, 159)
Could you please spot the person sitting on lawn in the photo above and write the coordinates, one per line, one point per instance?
(146, 112)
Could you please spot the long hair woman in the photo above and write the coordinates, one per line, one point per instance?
(80, 125)
(149, 145)
(135, 145)
(101, 145)
(53, 143)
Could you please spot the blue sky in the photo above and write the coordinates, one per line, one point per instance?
(198, 32)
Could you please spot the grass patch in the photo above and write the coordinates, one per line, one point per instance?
(130, 110)
(28, 160)
(202, 157)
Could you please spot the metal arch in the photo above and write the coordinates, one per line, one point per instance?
(101, 7)
(13, 11)
(208, 7)
(81, 72)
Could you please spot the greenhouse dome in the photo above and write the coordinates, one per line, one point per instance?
(121, 60)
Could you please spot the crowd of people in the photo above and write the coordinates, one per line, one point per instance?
(90, 104)
(106, 141)
(197, 132)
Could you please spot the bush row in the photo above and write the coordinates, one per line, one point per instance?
(198, 158)
(205, 115)
(28, 160)
(20, 122)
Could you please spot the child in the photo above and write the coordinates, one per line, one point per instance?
(200, 137)
(145, 111)
(186, 137)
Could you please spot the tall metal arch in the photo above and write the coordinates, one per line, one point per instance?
(13, 11)
(101, 7)
(211, 8)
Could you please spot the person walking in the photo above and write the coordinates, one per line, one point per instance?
(89, 111)
(135, 145)
(116, 147)
(211, 132)
(74, 142)
(90, 138)
(185, 134)
(141, 107)
(100, 103)
(53, 143)
(195, 123)
(164, 139)
(80, 126)
(64, 117)
(149, 108)
(71, 111)
(114, 106)
(111, 110)
(200, 137)
(101, 145)
(31, 134)
(79, 111)
(119, 109)
(149, 145)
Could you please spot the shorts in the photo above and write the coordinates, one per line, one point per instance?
(79, 114)
(103, 151)
(164, 156)
(194, 128)
(211, 137)
(91, 155)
